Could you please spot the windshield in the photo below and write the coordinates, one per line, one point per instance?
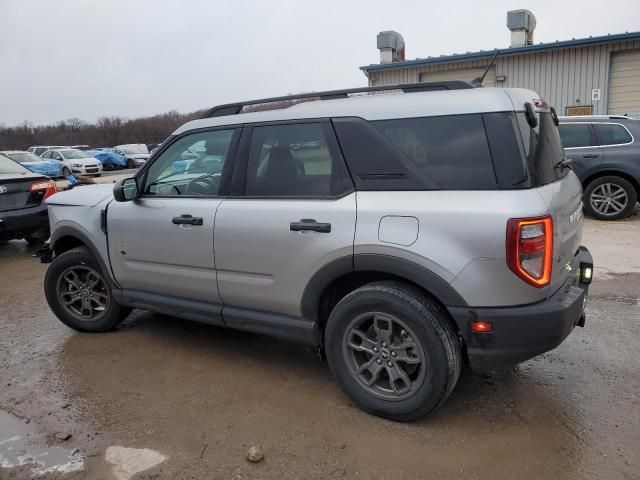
(24, 157)
(9, 166)
(74, 154)
(134, 149)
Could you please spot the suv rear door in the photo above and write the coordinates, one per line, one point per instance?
(162, 242)
(292, 211)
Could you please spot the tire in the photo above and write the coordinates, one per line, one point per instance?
(610, 198)
(98, 175)
(131, 163)
(66, 172)
(398, 308)
(33, 240)
(57, 287)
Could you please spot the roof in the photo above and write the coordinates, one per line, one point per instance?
(383, 107)
(6, 152)
(457, 57)
(592, 118)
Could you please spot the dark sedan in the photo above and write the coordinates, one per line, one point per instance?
(23, 213)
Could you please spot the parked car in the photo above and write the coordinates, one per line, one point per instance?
(35, 163)
(23, 213)
(109, 158)
(75, 162)
(135, 153)
(419, 232)
(605, 154)
(39, 150)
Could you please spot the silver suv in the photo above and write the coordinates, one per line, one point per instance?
(402, 230)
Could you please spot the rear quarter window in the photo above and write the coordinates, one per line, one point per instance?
(543, 150)
(575, 135)
(452, 150)
(612, 134)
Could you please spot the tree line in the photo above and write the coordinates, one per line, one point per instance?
(106, 132)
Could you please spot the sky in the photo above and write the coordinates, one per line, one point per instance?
(86, 59)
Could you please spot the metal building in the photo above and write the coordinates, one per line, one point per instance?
(595, 75)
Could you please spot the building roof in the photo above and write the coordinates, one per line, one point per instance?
(458, 57)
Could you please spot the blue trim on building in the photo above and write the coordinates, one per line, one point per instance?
(580, 42)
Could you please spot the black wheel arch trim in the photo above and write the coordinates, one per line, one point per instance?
(379, 263)
(67, 231)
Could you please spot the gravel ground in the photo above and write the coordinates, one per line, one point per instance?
(172, 399)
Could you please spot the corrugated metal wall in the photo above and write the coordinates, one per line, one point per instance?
(564, 77)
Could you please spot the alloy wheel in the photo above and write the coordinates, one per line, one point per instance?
(83, 292)
(608, 199)
(383, 355)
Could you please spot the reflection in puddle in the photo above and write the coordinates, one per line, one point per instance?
(19, 448)
(129, 461)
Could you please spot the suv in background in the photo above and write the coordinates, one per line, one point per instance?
(605, 154)
(39, 150)
(402, 234)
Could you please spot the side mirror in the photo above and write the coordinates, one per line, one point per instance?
(125, 190)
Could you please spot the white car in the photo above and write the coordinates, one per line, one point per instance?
(75, 161)
(135, 153)
(40, 149)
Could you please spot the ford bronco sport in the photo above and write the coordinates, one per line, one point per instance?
(403, 230)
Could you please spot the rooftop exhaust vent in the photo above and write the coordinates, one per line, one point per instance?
(522, 23)
(391, 46)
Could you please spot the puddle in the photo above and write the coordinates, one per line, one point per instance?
(21, 446)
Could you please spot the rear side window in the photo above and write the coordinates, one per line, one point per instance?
(452, 150)
(575, 135)
(612, 134)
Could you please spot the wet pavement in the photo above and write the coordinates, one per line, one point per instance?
(166, 398)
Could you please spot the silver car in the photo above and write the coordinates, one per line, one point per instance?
(435, 225)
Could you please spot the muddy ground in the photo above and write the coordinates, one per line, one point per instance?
(197, 397)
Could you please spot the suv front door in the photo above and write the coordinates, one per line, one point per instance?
(581, 147)
(292, 211)
(162, 242)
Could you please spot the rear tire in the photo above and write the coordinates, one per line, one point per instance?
(610, 198)
(79, 293)
(35, 240)
(393, 350)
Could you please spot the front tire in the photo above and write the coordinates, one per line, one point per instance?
(131, 163)
(79, 294)
(610, 198)
(393, 350)
(66, 172)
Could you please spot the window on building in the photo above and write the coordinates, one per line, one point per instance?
(612, 134)
(577, 135)
(452, 150)
(573, 111)
(292, 161)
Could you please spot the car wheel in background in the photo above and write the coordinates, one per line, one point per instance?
(80, 295)
(609, 198)
(131, 163)
(393, 350)
(34, 240)
(66, 171)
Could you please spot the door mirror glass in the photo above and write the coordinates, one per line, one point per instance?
(125, 190)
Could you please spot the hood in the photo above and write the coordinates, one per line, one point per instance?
(82, 195)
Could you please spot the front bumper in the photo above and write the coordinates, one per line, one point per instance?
(87, 170)
(24, 222)
(520, 333)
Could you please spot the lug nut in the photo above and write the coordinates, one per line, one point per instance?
(384, 345)
(375, 349)
(378, 361)
(390, 364)
(393, 354)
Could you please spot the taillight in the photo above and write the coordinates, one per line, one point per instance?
(530, 249)
(49, 188)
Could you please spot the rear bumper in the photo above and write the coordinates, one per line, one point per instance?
(24, 222)
(520, 333)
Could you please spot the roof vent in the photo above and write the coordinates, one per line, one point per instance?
(522, 23)
(391, 46)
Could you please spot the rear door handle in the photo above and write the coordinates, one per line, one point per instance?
(187, 220)
(309, 224)
(590, 156)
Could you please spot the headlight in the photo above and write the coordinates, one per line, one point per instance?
(76, 165)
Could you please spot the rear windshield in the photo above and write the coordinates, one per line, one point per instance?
(9, 166)
(25, 157)
(543, 150)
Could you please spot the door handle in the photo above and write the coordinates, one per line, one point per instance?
(590, 156)
(186, 220)
(309, 224)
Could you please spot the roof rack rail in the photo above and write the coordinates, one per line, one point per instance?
(235, 108)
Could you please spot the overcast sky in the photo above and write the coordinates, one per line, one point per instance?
(90, 58)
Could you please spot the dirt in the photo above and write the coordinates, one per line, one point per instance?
(166, 398)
